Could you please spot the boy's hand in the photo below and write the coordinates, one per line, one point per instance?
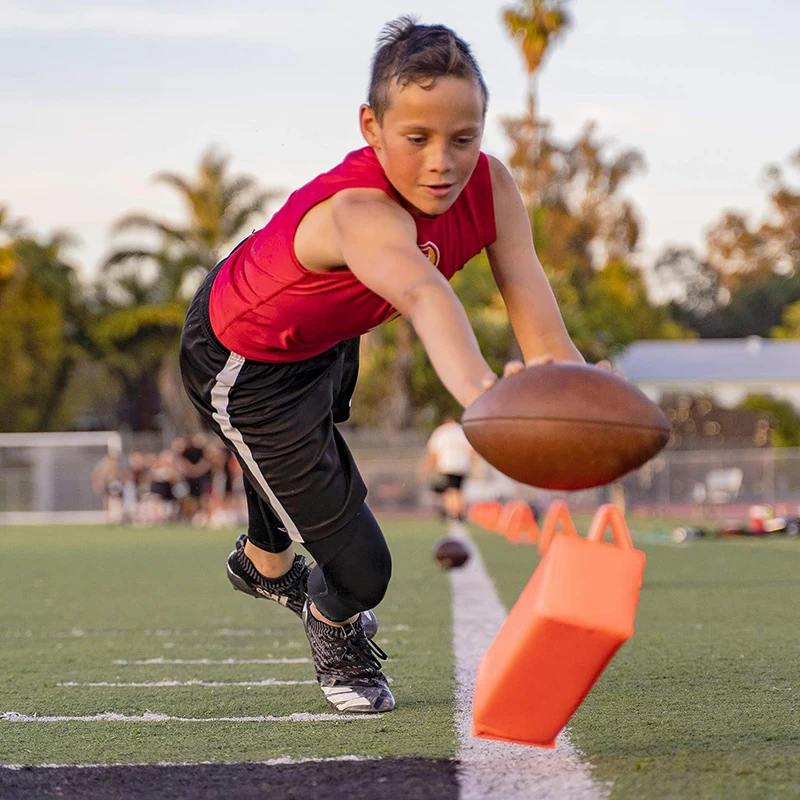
(513, 367)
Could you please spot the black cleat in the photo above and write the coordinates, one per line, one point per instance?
(290, 590)
(348, 666)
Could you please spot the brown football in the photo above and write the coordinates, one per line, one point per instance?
(451, 553)
(565, 426)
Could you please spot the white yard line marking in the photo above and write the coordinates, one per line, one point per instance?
(211, 661)
(490, 769)
(13, 716)
(166, 683)
(270, 762)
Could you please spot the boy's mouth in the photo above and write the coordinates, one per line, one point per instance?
(439, 189)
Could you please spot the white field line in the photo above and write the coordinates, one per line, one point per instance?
(271, 762)
(489, 769)
(13, 716)
(167, 683)
(210, 661)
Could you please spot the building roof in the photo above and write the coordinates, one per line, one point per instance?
(749, 359)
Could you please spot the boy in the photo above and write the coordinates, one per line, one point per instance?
(269, 352)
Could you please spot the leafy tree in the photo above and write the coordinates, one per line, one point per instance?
(692, 284)
(790, 324)
(133, 343)
(750, 276)
(754, 309)
(43, 317)
(617, 313)
(743, 252)
(583, 221)
(786, 425)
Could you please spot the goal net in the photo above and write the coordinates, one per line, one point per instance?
(47, 477)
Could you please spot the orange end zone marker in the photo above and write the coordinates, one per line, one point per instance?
(557, 514)
(517, 523)
(575, 613)
(486, 514)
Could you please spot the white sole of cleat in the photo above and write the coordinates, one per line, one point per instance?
(343, 698)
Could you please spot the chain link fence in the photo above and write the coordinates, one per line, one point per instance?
(708, 478)
(50, 474)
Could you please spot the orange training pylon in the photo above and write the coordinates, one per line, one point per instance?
(517, 523)
(486, 514)
(574, 614)
(557, 514)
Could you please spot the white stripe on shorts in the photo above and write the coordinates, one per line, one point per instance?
(219, 400)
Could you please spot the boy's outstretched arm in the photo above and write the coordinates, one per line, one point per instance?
(532, 308)
(377, 240)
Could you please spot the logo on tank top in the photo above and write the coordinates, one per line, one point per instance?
(431, 252)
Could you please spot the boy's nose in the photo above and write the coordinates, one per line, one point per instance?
(440, 160)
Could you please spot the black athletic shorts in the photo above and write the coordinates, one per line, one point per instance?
(278, 420)
(444, 481)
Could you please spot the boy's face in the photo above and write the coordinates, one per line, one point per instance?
(429, 142)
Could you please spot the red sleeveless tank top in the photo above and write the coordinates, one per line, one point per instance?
(266, 306)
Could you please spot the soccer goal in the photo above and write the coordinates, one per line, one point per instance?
(47, 477)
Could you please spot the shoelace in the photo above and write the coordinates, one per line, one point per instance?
(372, 652)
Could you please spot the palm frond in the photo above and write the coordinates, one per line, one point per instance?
(125, 256)
(141, 221)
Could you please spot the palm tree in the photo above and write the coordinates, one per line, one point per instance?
(535, 25)
(147, 286)
(220, 207)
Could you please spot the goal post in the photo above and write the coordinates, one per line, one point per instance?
(47, 477)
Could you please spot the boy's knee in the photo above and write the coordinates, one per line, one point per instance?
(352, 577)
(369, 588)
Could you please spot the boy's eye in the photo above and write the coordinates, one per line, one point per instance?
(465, 140)
(416, 139)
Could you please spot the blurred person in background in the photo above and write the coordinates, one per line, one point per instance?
(447, 464)
(221, 511)
(195, 464)
(108, 482)
(136, 484)
(160, 504)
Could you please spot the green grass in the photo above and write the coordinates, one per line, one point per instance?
(703, 701)
(73, 601)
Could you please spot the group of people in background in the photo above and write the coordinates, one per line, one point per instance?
(198, 480)
(195, 480)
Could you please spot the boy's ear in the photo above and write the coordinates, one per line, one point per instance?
(369, 126)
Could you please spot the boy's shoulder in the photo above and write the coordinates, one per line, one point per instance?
(500, 173)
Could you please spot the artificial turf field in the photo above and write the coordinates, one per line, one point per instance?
(702, 702)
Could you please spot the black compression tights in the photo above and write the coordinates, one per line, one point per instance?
(353, 568)
(353, 565)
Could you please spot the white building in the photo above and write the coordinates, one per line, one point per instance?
(724, 369)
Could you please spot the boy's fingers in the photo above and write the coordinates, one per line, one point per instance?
(512, 368)
(540, 361)
(606, 365)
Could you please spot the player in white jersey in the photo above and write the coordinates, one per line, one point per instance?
(450, 458)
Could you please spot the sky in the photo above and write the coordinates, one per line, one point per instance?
(97, 97)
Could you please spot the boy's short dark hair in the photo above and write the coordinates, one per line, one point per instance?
(411, 53)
